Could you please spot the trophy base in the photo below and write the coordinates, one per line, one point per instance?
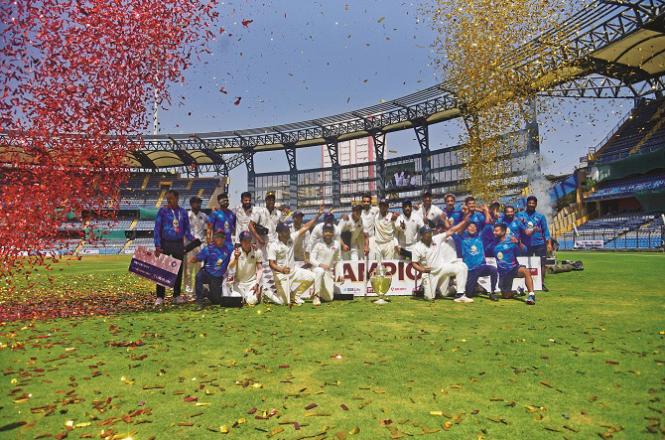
(380, 301)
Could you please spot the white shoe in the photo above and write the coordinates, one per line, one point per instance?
(189, 290)
(298, 301)
(159, 301)
(316, 301)
(463, 299)
(180, 300)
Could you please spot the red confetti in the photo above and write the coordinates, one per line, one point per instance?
(223, 90)
(237, 101)
(246, 22)
(90, 68)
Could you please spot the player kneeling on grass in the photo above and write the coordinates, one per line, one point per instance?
(473, 254)
(290, 281)
(436, 257)
(506, 252)
(248, 270)
(215, 258)
(324, 258)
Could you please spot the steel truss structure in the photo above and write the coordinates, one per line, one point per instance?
(590, 55)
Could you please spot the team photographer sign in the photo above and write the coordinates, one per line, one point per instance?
(162, 270)
(404, 276)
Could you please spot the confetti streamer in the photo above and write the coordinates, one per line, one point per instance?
(474, 44)
(90, 69)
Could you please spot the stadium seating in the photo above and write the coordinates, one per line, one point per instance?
(627, 231)
(143, 193)
(643, 129)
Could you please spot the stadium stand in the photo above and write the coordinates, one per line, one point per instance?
(133, 221)
(625, 194)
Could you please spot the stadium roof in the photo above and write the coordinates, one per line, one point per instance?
(604, 50)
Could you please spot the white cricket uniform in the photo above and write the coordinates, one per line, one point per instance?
(357, 230)
(197, 224)
(294, 283)
(384, 237)
(408, 235)
(431, 214)
(324, 283)
(441, 256)
(300, 244)
(317, 236)
(242, 220)
(369, 217)
(269, 220)
(244, 279)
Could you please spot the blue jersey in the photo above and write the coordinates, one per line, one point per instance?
(472, 251)
(514, 225)
(537, 223)
(454, 215)
(215, 259)
(488, 239)
(223, 221)
(506, 253)
(478, 219)
(171, 224)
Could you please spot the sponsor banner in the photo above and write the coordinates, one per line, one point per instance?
(589, 244)
(405, 276)
(356, 282)
(85, 251)
(162, 270)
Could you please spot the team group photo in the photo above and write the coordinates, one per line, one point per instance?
(339, 220)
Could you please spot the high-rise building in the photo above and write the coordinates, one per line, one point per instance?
(350, 152)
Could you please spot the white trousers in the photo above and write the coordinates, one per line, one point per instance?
(320, 289)
(440, 277)
(353, 254)
(245, 290)
(384, 251)
(190, 270)
(292, 285)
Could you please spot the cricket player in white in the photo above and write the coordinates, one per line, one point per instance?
(245, 271)
(324, 258)
(267, 217)
(431, 214)
(385, 240)
(408, 227)
(317, 233)
(290, 281)
(353, 228)
(436, 257)
(301, 243)
(197, 224)
(243, 214)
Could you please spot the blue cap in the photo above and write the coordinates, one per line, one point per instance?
(425, 229)
(245, 235)
(329, 217)
(329, 227)
(298, 213)
(282, 227)
(407, 202)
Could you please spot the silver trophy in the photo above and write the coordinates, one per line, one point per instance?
(380, 284)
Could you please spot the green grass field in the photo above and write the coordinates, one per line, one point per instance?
(587, 361)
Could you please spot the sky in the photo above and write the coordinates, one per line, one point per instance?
(299, 60)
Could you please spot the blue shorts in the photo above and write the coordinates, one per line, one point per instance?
(506, 279)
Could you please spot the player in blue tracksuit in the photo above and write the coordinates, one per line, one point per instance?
(453, 214)
(513, 222)
(223, 220)
(536, 234)
(215, 258)
(477, 217)
(506, 252)
(171, 227)
(473, 254)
